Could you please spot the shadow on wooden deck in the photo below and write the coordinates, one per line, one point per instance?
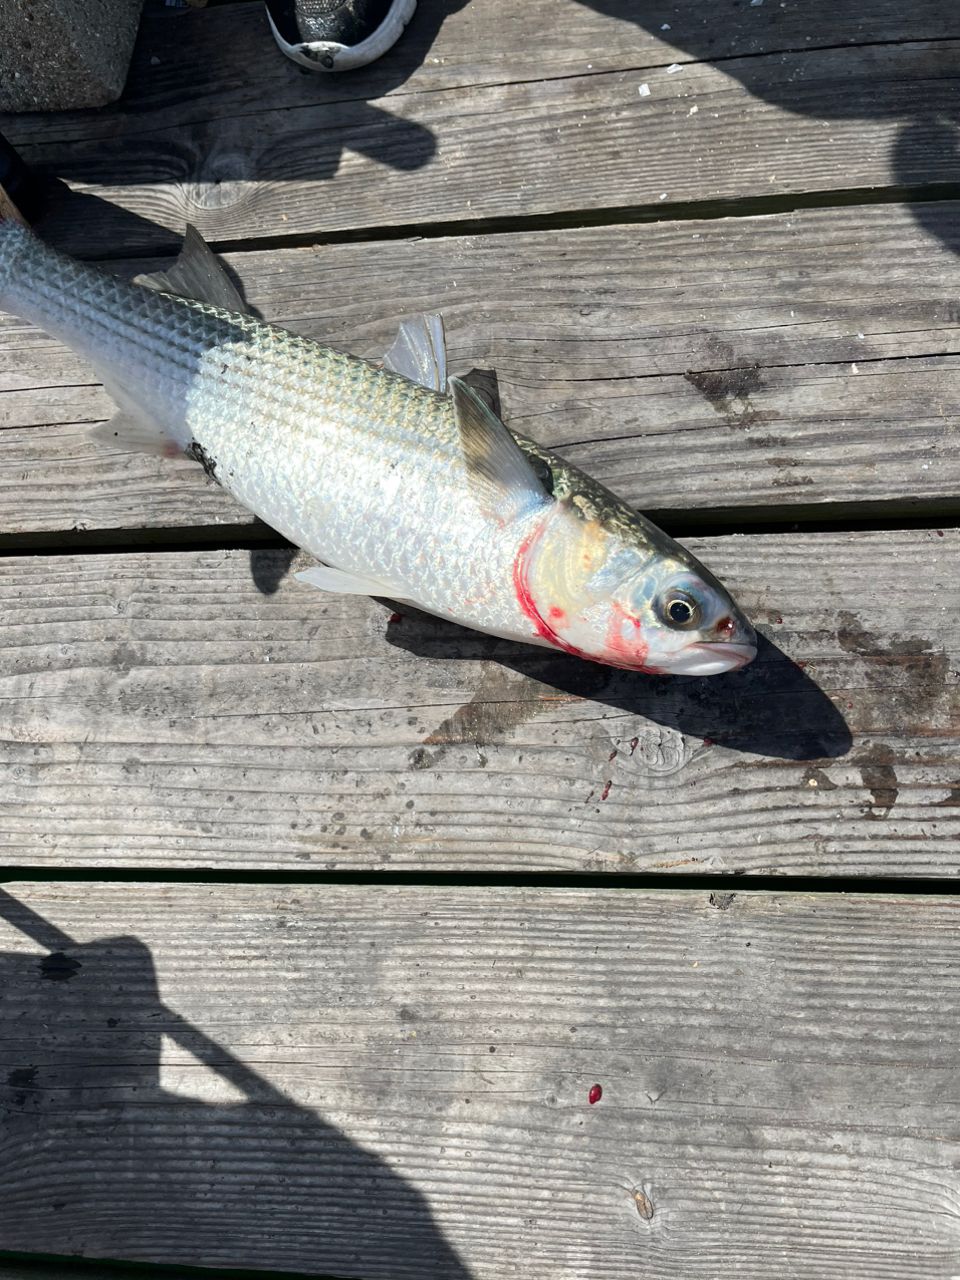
(255, 1183)
(399, 144)
(732, 36)
(772, 708)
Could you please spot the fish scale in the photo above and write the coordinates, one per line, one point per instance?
(358, 466)
(406, 491)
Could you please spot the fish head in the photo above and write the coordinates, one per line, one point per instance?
(601, 582)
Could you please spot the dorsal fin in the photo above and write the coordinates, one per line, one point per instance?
(198, 274)
(419, 352)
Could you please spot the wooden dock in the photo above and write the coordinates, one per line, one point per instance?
(321, 922)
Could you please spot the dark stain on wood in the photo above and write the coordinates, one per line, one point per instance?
(882, 782)
(817, 779)
(927, 668)
(722, 901)
(420, 759)
(880, 779)
(22, 1078)
(500, 704)
(729, 390)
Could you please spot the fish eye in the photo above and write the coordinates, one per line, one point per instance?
(679, 609)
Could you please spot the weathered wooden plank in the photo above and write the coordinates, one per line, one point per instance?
(181, 710)
(187, 64)
(806, 358)
(406, 149)
(394, 1082)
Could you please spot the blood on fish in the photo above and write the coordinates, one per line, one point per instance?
(634, 743)
(395, 619)
(633, 653)
(595, 1094)
(606, 789)
(613, 755)
(633, 648)
(558, 614)
(525, 598)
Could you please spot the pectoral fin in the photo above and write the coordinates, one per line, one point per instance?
(128, 433)
(502, 478)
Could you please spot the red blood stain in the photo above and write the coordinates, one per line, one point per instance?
(778, 621)
(709, 742)
(606, 789)
(627, 646)
(633, 652)
(613, 754)
(939, 533)
(557, 613)
(726, 627)
(802, 666)
(595, 1094)
(634, 743)
(525, 598)
(395, 619)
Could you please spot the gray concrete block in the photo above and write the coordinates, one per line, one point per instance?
(56, 54)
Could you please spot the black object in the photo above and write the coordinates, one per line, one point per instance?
(346, 23)
(19, 186)
(337, 35)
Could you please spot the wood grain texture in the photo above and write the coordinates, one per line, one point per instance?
(788, 360)
(204, 709)
(444, 135)
(188, 65)
(393, 1082)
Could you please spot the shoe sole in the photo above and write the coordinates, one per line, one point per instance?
(323, 55)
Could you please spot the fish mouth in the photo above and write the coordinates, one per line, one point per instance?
(712, 659)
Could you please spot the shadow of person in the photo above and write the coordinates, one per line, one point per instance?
(732, 33)
(218, 160)
(99, 1159)
(771, 708)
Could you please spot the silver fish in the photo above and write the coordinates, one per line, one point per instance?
(400, 482)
